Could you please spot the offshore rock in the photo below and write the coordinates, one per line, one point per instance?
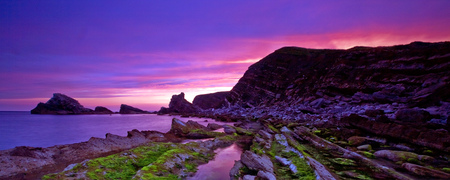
(102, 110)
(61, 104)
(213, 100)
(178, 104)
(126, 109)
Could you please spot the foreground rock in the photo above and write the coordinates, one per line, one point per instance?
(126, 109)
(32, 162)
(61, 104)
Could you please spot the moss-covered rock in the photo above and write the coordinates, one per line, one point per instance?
(396, 155)
(343, 161)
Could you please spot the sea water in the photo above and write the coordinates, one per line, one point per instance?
(20, 128)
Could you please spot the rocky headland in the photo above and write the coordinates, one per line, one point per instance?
(360, 113)
(371, 106)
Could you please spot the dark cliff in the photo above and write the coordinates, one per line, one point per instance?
(213, 100)
(416, 74)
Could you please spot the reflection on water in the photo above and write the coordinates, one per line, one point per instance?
(220, 166)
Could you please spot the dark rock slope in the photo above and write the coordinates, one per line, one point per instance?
(61, 104)
(416, 74)
(398, 92)
(213, 100)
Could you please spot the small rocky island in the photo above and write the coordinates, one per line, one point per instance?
(361, 113)
(61, 104)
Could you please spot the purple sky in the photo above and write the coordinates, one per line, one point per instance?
(142, 52)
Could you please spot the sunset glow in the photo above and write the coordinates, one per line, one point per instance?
(142, 52)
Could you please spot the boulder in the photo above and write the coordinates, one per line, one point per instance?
(102, 110)
(61, 104)
(425, 172)
(256, 162)
(126, 109)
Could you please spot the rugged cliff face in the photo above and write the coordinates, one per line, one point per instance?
(213, 100)
(400, 93)
(416, 74)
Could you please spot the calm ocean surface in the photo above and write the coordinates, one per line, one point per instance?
(20, 128)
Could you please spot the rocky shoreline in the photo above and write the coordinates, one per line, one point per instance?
(361, 113)
(33, 162)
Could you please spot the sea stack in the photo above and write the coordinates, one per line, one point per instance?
(126, 109)
(61, 104)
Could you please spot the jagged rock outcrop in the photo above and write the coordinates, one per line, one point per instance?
(102, 110)
(416, 74)
(179, 105)
(61, 104)
(126, 109)
(213, 100)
